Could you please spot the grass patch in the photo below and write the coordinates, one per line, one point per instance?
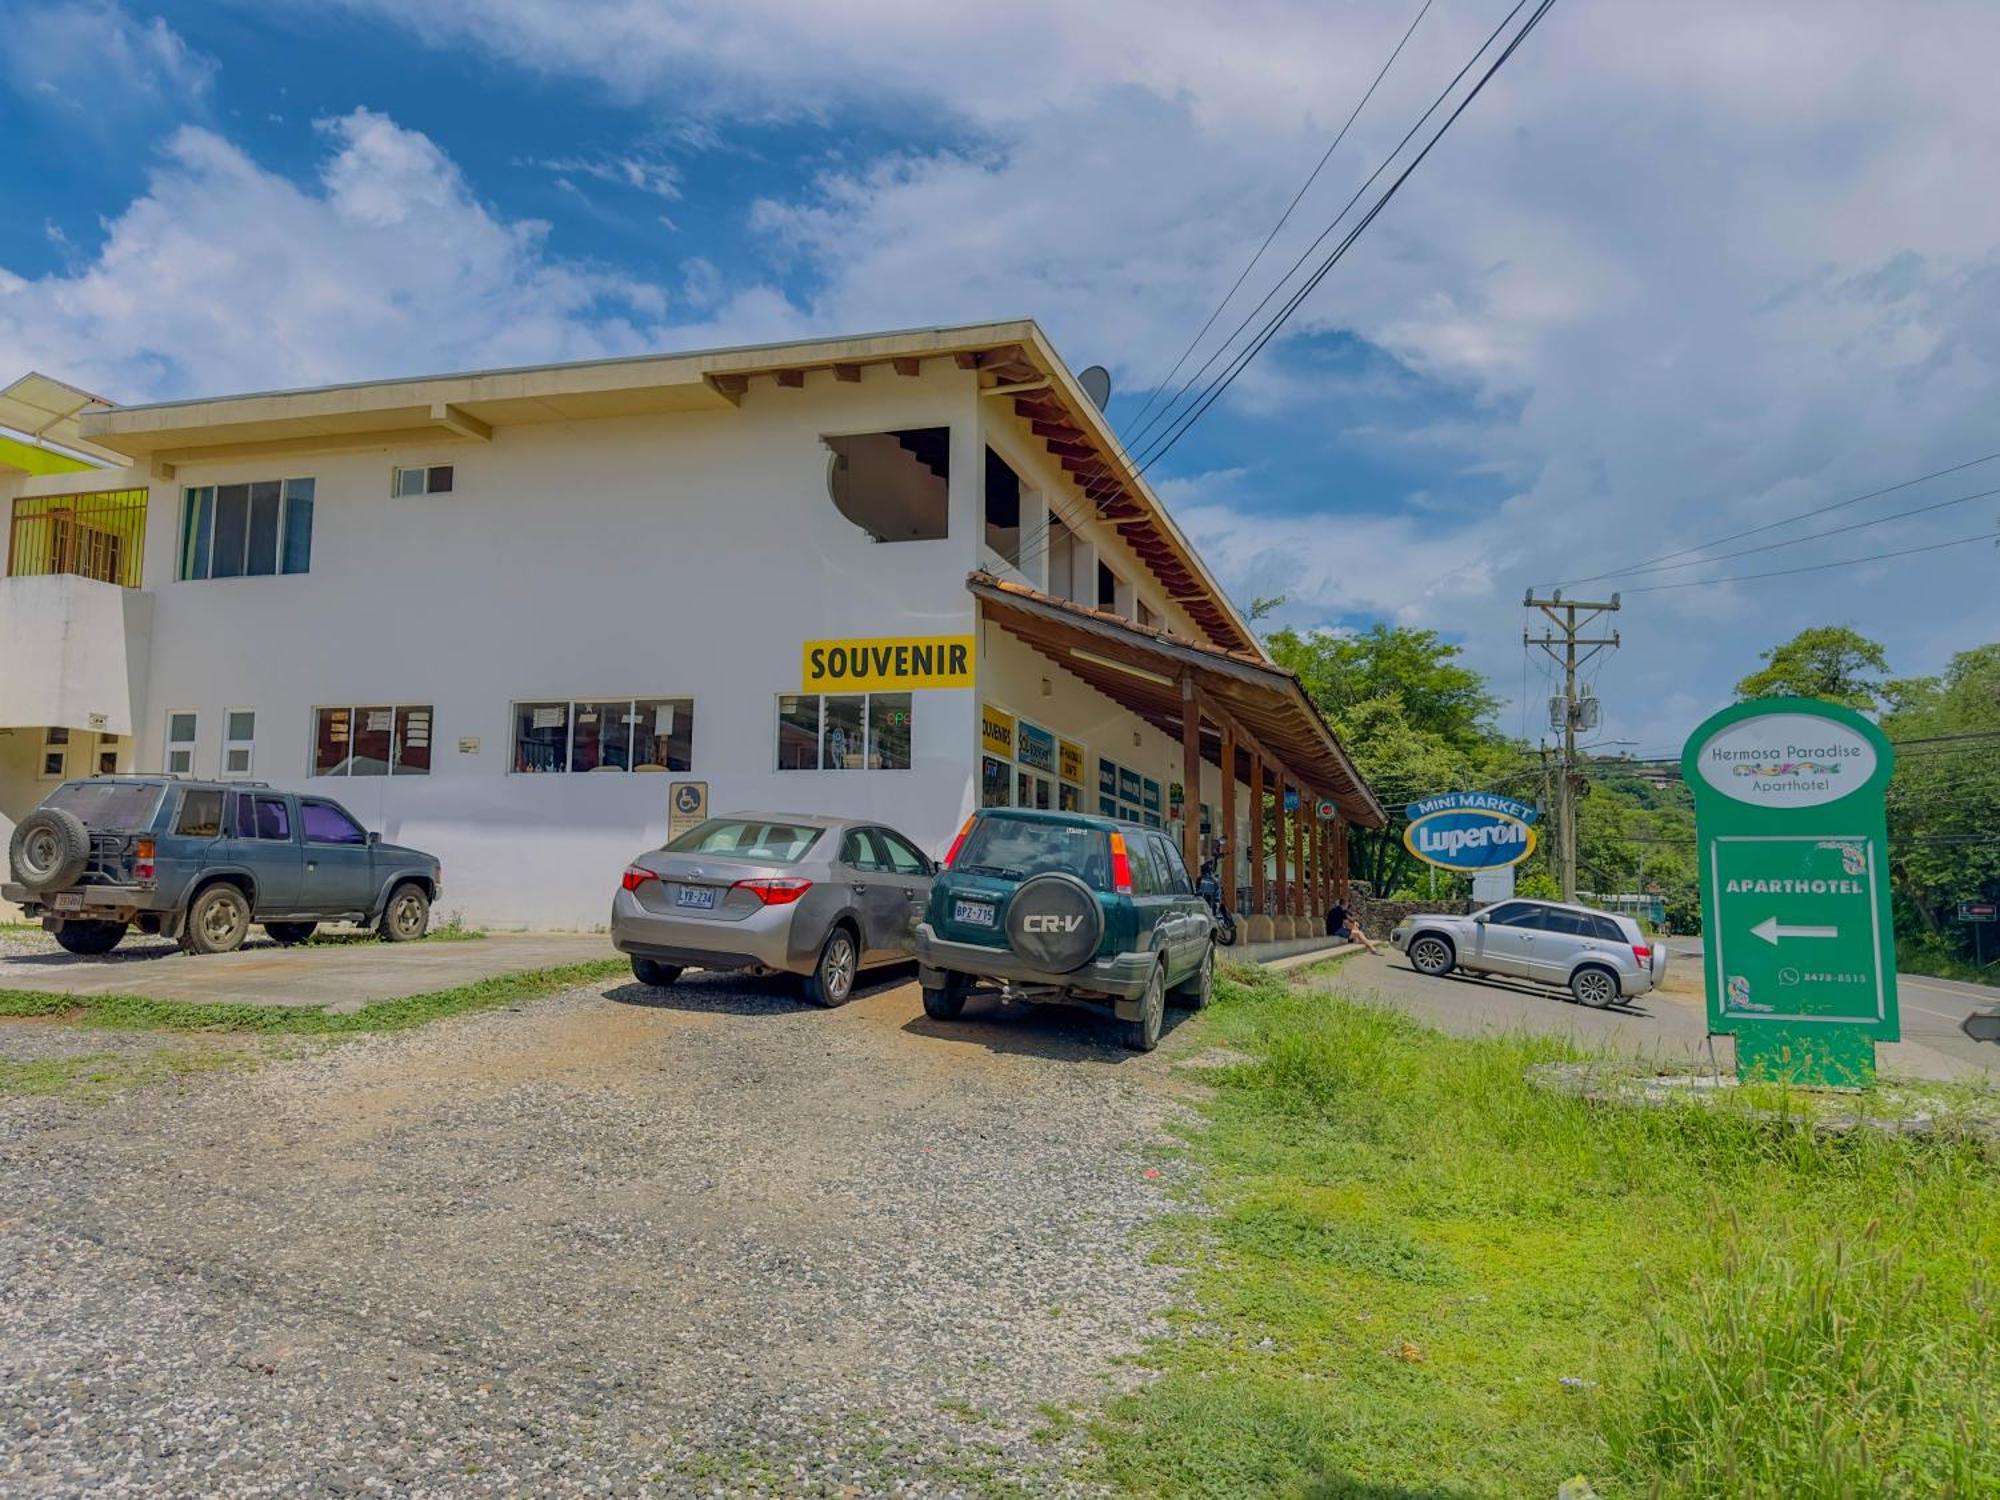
(138, 1013)
(1419, 1275)
(100, 1075)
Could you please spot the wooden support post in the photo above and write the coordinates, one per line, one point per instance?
(1319, 871)
(1226, 816)
(1340, 859)
(1256, 835)
(1299, 857)
(1279, 889)
(1190, 779)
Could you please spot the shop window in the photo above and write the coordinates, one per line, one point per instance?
(604, 734)
(1003, 510)
(995, 782)
(181, 726)
(844, 731)
(107, 754)
(372, 740)
(434, 479)
(247, 530)
(896, 486)
(239, 741)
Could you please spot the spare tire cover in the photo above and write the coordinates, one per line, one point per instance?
(1055, 923)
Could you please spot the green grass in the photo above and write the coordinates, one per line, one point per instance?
(1928, 955)
(139, 1013)
(99, 1075)
(1416, 1274)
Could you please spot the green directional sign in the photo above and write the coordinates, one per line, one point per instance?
(1798, 948)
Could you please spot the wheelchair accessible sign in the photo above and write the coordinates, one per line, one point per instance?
(1799, 950)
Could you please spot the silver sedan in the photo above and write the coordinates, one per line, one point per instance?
(823, 898)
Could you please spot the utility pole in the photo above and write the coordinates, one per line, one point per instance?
(1569, 616)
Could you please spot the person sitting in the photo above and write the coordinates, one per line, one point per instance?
(1341, 924)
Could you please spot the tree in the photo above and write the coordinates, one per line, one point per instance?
(1828, 661)
(1341, 671)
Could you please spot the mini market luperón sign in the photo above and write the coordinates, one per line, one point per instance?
(1798, 946)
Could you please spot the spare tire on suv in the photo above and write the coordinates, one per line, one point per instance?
(1055, 923)
(50, 849)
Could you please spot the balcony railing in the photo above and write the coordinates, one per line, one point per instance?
(101, 536)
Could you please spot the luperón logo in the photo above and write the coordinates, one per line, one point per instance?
(887, 664)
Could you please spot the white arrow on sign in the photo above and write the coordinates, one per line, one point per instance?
(1770, 930)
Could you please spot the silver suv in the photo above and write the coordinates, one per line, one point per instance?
(1599, 957)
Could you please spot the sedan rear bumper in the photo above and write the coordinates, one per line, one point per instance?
(762, 940)
(1123, 976)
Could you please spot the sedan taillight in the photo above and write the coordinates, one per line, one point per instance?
(782, 892)
(636, 876)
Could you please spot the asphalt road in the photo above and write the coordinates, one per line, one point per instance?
(1669, 1025)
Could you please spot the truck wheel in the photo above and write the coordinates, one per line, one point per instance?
(650, 971)
(832, 977)
(1594, 986)
(1198, 988)
(89, 939)
(218, 921)
(1143, 1035)
(407, 917)
(50, 849)
(1431, 955)
(944, 1002)
(289, 934)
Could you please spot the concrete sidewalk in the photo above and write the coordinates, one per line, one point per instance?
(338, 976)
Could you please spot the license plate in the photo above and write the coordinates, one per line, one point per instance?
(700, 897)
(69, 903)
(972, 913)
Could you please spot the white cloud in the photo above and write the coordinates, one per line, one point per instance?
(100, 67)
(643, 174)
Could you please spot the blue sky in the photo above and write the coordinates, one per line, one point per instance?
(1681, 270)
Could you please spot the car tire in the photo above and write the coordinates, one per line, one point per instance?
(290, 934)
(50, 849)
(945, 1002)
(218, 920)
(1143, 1034)
(831, 982)
(89, 939)
(650, 971)
(1431, 955)
(1595, 986)
(407, 915)
(1195, 991)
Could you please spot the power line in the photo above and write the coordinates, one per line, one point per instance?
(1845, 562)
(1283, 218)
(1782, 521)
(1159, 448)
(1816, 536)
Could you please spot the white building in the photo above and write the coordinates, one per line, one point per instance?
(475, 608)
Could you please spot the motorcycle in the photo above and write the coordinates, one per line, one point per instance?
(1209, 887)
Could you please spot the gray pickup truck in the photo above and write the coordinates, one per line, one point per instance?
(201, 861)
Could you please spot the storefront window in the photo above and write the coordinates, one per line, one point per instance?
(844, 732)
(798, 732)
(889, 731)
(841, 740)
(994, 776)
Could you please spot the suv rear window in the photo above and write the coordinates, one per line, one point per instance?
(1016, 848)
(108, 804)
(762, 839)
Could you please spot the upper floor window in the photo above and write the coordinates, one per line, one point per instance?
(1003, 510)
(896, 486)
(101, 536)
(618, 734)
(432, 480)
(247, 530)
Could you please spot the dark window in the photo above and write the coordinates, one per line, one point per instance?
(859, 849)
(413, 742)
(613, 734)
(1021, 848)
(1177, 877)
(541, 736)
(798, 732)
(263, 818)
(96, 804)
(238, 530)
(842, 746)
(298, 525)
(1515, 914)
(232, 529)
(1609, 930)
(663, 734)
(889, 731)
(1107, 589)
(1003, 508)
(324, 823)
(994, 779)
(200, 815)
(263, 553)
(896, 486)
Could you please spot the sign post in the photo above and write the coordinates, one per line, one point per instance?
(1798, 949)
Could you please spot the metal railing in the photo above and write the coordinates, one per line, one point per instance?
(100, 535)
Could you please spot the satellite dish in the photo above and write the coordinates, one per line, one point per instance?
(1096, 383)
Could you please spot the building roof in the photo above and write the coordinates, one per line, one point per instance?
(46, 411)
(1014, 362)
(1152, 673)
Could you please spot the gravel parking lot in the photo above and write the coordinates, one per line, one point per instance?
(613, 1242)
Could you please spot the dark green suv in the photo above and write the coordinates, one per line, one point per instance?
(1058, 908)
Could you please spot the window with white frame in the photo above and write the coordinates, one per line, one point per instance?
(389, 739)
(844, 732)
(181, 726)
(425, 479)
(604, 734)
(246, 530)
(107, 754)
(239, 741)
(55, 754)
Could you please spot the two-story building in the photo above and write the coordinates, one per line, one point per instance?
(533, 619)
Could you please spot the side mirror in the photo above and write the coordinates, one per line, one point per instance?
(374, 839)
(1480, 918)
